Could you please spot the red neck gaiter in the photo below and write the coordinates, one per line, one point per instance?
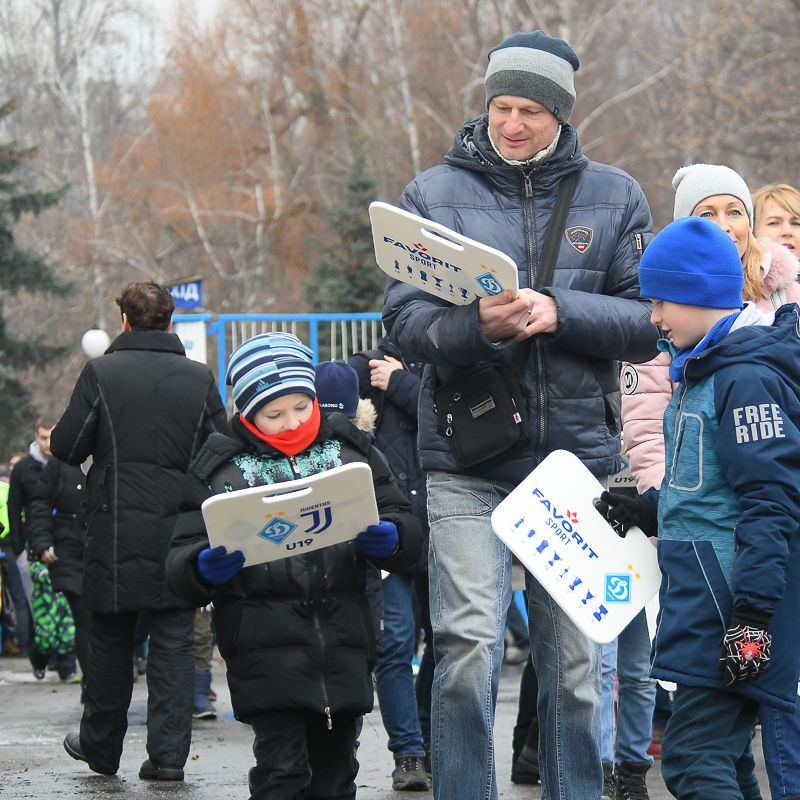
(290, 443)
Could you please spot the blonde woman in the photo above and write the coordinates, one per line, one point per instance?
(777, 215)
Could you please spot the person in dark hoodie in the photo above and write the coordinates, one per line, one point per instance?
(142, 411)
(726, 514)
(296, 633)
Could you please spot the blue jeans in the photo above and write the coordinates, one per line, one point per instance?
(780, 739)
(628, 656)
(470, 591)
(706, 752)
(394, 677)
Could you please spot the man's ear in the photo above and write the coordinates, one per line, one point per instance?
(126, 325)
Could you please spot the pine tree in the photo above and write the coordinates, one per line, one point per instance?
(347, 279)
(20, 270)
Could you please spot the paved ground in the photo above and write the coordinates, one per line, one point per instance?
(35, 716)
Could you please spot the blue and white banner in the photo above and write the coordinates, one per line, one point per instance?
(187, 292)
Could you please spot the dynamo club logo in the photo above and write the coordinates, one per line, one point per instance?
(277, 530)
(489, 283)
(618, 588)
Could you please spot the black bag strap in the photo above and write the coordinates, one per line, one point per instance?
(552, 244)
(547, 261)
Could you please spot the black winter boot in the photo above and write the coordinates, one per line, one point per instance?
(609, 782)
(631, 783)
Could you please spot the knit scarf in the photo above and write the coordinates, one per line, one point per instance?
(290, 443)
(718, 332)
(535, 159)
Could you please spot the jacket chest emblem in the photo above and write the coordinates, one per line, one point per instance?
(580, 237)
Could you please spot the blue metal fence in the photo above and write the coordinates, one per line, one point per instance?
(330, 336)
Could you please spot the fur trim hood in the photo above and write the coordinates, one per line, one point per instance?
(779, 267)
(366, 416)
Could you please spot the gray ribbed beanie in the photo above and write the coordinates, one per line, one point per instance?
(698, 181)
(535, 66)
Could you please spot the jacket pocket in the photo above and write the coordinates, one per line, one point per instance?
(695, 606)
(686, 470)
(227, 622)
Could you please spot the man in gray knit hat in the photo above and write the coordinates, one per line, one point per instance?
(498, 184)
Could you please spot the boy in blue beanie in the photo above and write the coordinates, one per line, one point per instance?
(727, 512)
(296, 634)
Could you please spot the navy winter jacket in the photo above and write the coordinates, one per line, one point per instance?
(729, 507)
(570, 378)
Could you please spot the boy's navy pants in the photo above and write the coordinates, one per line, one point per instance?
(706, 751)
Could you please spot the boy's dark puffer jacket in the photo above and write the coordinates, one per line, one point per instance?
(295, 633)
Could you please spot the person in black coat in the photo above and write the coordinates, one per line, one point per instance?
(56, 536)
(295, 633)
(393, 386)
(142, 412)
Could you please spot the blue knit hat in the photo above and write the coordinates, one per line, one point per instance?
(266, 367)
(535, 66)
(337, 387)
(695, 263)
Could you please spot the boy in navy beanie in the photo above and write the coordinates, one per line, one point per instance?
(726, 514)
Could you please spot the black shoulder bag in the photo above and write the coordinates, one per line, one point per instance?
(482, 413)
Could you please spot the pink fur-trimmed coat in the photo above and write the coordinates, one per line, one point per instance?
(647, 388)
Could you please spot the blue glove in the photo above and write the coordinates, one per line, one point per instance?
(216, 566)
(378, 540)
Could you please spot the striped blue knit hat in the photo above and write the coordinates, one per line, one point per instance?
(535, 66)
(268, 366)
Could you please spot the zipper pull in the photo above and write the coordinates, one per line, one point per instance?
(638, 243)
(328, 715)
(528, 187)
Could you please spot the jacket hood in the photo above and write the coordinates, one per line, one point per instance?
(366, 416)
(776, 345)
(35, 452)
(780, 267)
(473, 150)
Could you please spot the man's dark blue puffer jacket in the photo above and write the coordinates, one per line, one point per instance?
(570, 378)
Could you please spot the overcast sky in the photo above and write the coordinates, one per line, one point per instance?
(168, 9)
